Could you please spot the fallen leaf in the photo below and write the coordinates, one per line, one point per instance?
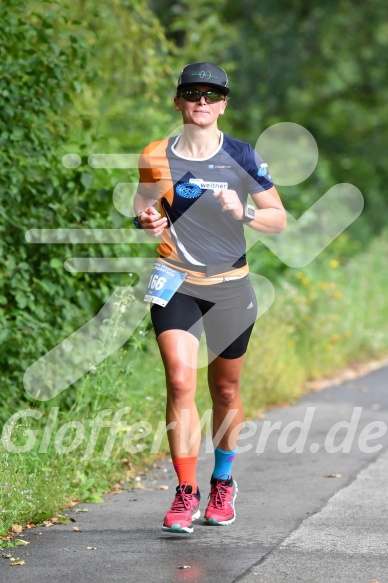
(18, 563)
(333, 476)
(184, 567)
(21, 543)
(54, 520)
(82, 509)
(17, 528)
(6, 556)
(76, 529)
(162, 487)
(72, 519)
(90, 548)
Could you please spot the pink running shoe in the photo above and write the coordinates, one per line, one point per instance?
(220, 509)
(183, 511)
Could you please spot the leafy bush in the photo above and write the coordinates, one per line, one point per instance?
(39, 301)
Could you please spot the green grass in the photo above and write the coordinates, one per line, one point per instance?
(324, 317)
(36, 485)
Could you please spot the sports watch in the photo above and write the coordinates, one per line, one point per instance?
(248, 213)
(136, 222)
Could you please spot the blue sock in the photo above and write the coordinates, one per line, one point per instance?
(223, 461)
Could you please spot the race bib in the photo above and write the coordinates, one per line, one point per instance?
(164, 282)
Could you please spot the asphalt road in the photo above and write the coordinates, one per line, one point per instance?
(294, 523)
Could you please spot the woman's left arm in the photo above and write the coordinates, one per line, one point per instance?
(270, 216)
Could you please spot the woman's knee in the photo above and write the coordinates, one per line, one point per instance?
(225, 392)
(180, 386)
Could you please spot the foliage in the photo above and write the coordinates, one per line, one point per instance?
(39, 301)
(131, 74)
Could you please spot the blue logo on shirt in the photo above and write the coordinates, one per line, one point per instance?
(188, 190)
(262, 171)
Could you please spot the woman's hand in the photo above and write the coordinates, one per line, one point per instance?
(150, 221)
(230, 201)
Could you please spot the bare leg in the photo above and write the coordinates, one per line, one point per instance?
(181, 379)
(224, 384)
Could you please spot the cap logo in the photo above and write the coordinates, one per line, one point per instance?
(204, 75)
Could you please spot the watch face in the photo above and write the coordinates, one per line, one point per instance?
(250, 211)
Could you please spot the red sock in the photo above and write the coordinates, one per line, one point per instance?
(186, 469)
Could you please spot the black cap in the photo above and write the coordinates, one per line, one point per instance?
(204, 74)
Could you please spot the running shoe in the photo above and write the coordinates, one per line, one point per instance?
(220, 509)
(183, 511)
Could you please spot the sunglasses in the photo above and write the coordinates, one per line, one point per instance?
(195, 95)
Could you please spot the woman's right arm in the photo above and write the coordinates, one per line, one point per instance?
(146, 201)
(149, 218)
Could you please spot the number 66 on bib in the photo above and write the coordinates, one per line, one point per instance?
(164, 282)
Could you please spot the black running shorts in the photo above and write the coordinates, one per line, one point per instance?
(227, 311)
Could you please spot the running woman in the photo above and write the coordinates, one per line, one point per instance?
(193, 192)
